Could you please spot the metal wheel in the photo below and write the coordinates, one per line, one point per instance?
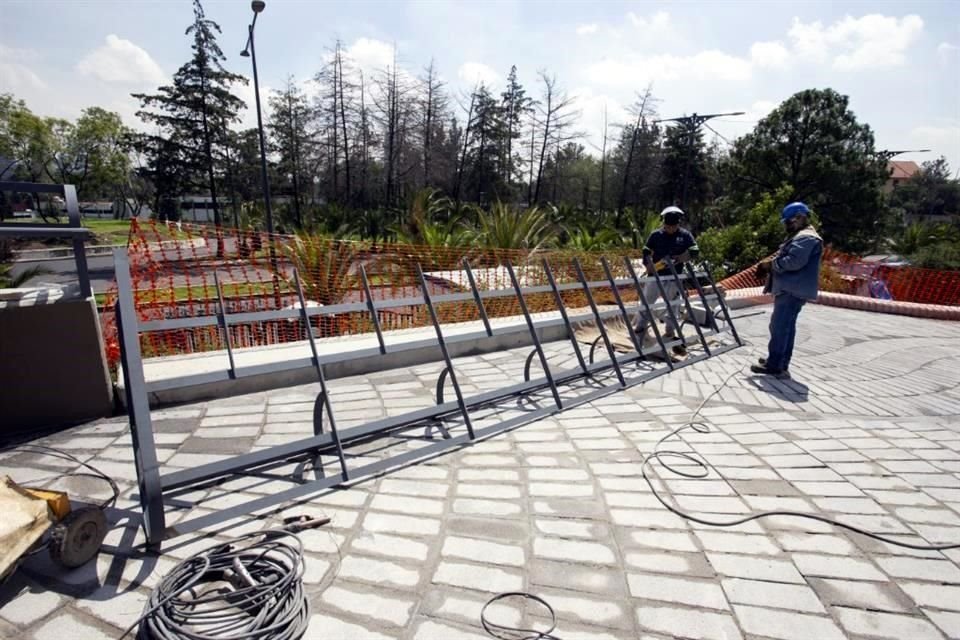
(77, 538)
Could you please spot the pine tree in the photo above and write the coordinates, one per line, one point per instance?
(516, 107)
(193, 113)
(289, 133)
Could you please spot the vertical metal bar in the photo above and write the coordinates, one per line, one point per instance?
(670, 310)
(79, 244)
(703, 296)
(649, 312)
(323, 381)
(723, 305)
(138, 405)
(686, 303)
(599, 320)
(563, 314)
(443, 350)
(638, 345)
(222, 321)
(477, 298)
(533, 335)
(372, 309)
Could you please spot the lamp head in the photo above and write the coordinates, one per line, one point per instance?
(258, 6)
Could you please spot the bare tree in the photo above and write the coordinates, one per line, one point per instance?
(556, 116)
(434, 104)
(644, 107)
(467, 132)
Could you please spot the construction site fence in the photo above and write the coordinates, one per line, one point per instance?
(175, 269)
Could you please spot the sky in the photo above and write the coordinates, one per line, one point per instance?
(898, 62)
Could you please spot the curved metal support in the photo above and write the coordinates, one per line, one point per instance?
(593, 347)
(313, 463)
(526, 365)
(438, 425)
(318, 413)
(440, 382)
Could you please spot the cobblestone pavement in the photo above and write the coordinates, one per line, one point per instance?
(867, 432)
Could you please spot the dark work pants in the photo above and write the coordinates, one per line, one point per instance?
(783, 331)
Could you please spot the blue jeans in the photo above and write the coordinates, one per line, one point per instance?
(783, 331)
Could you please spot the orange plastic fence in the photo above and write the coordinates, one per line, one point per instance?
(843, 273)
(173, 269)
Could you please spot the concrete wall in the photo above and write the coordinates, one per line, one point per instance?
(52, 366)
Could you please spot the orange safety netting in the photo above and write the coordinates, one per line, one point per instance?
(852, 275)
(173, 266)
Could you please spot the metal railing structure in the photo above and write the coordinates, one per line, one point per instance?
(452, 419)
(73, 229)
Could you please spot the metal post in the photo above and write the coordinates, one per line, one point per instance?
(79, 245)
(670, 310)
(723, 305)
(563, 314)
(646, 309)
(703, 297)
(533, 335)
(323, 381)
(444, 352)
(686, 303)
(599, 320)
(477, 298)
(222, 320)
(372, 309)
(623, 310)
(138, 407)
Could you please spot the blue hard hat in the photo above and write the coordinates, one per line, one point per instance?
(794, 209)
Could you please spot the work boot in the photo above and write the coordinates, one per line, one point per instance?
(763, 363)
(762, 369)
(679, 350)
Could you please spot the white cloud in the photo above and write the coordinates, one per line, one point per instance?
(121, 61)
(947, 51)
(853, 44)
(15, 75)
(637, 71)
(370, 55)
(476, 72)
(591, 106)
(772, 55)
(587, 29)
(658, 21)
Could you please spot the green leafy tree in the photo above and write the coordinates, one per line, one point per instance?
(814, 143)
(26, 140)
(929, 193)
(91, 154)
(684, 171)
(503, 227)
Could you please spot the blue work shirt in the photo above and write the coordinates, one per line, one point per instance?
(796, 269)
(661, 244)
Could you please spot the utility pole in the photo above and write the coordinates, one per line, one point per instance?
(887, 154)
(692, 124)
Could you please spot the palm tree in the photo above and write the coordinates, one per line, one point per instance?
(506, 228)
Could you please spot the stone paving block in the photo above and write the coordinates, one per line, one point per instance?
(737, 543)
(118, 608)
(483, 551)
(477, 577)
(879, 596)
(431, 630)
(885, 625)
(328, 627)
(29, 605)
(573, 551)
(690, 564)
(389, 545)
(667, 540)
(947, 621)
(380, 605)
(581, 608)
(696, 593)
(470, 506)
(756, 568)
(408, 505)
(688, 623)
(69, 625)
(772, 595)
(786, 625)
(378, 571)
(920, 569)
(389, 523)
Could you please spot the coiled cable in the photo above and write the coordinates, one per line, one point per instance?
(247, 588)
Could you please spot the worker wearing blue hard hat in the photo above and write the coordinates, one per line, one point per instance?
(792, 276)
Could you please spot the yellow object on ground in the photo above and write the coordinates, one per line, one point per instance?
(25, 519)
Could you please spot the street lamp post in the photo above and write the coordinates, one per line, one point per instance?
(249, 51)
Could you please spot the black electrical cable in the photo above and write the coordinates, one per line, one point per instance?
(64, 455)
(701, 469)
(505, 632)
(247, 588)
